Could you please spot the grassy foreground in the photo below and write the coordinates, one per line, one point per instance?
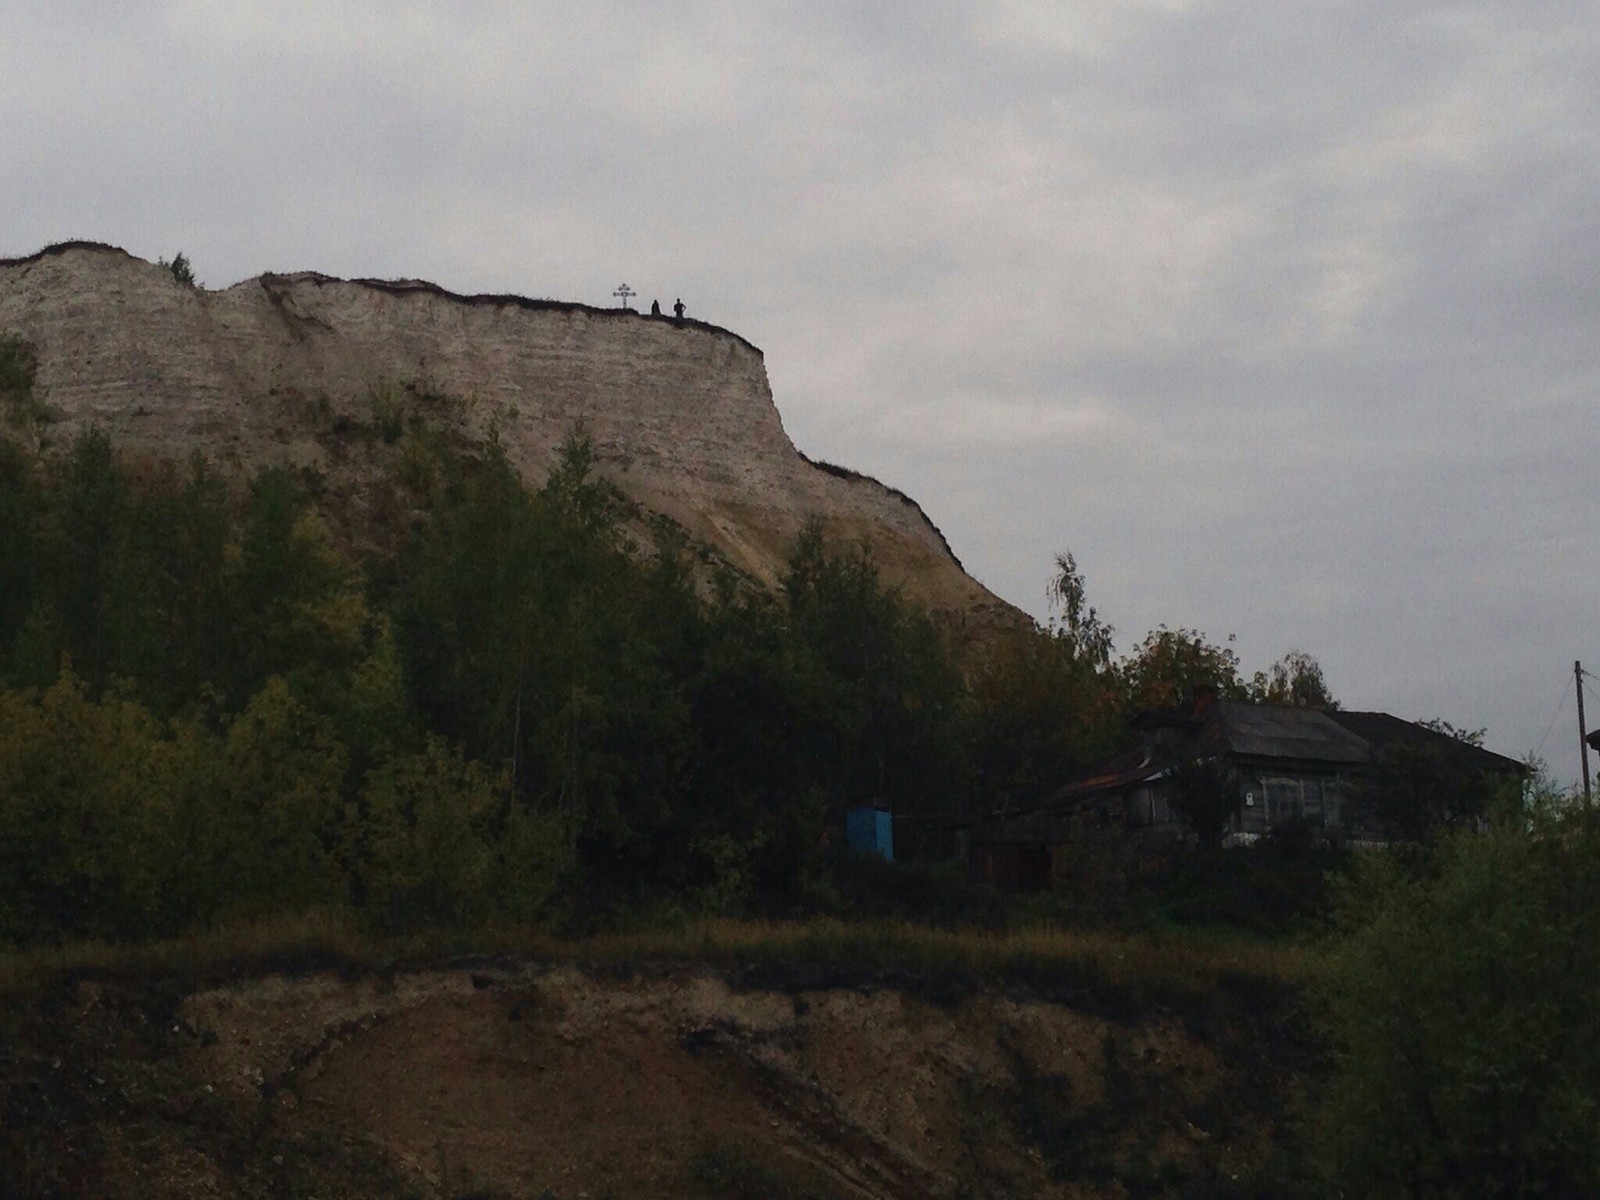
(1147, 967)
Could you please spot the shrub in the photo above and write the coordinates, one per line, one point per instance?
(1462, 1009)
(103, 817)
(426, 823)
(181, 269)
(18, 366)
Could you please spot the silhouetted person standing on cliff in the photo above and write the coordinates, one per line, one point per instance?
(677, 309)
(655, 308)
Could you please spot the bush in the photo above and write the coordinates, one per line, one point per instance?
(181, 269)
(1269, 888)
(104, 818)
(426, 823)
(18, 366)
(1462, 1009)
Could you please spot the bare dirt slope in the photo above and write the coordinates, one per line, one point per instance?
(306, 369)
(518, 1080)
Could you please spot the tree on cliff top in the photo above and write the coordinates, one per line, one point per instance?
(181, 269)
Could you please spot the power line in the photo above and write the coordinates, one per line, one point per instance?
(1561, 703)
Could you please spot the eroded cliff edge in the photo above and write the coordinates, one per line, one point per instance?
(680, 413)
(513, 1077)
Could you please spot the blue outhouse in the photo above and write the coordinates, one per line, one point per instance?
(870, 830)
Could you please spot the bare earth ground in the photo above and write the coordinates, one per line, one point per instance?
(522, 1080)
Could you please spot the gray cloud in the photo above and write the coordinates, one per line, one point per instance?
(1282, 318)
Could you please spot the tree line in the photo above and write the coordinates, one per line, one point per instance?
(214, 705)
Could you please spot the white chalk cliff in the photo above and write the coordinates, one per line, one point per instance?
(267, 371)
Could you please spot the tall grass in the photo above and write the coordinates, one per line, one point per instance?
(1147, 966)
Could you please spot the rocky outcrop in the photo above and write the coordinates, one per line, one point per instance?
(680, 412)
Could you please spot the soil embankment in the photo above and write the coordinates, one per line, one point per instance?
(517, 1079)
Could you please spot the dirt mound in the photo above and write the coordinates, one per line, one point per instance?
(528, 1080)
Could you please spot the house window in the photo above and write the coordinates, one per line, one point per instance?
(1332, 797)
(1284, 798)
(1287, 797)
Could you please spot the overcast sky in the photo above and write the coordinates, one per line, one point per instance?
(1281, 317)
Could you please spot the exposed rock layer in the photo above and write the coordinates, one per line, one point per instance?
(680, 413)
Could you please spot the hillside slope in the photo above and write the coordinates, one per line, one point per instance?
(282, 369)
(506, 1079)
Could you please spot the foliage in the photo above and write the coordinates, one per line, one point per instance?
(880, 676)
(86, 803)
(181, 269)
(1096, 869)
(1208, 793)
(1469, 737)
(1086, 636)
(18, 366)
(281, 809)
(1166, 669)
(1462, 1007)
(19, 551)
(388, 411)
(524, 638)
(221, 716)
(427, 832)
(1045, 701)
(1268, 887)
(1422, 784)
(1039, 713)
(1295, 679)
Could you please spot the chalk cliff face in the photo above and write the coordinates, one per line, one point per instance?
(680, 413)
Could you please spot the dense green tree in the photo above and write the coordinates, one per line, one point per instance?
(889, 683)
(1208, 793)
(80, 533)
(19, 554)
(528, 634)
(283, 812)
(99, 807)
(1421, 784)
(527, 715)
(1045, 701)
(428, 835)
(299, 608)
(1039, 713)
(767, 734)
(169, 618)
(1461, 1006)
(180, 267)
(1165, 670)
(20, 409)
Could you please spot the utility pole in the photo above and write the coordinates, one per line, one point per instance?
(1583, 730)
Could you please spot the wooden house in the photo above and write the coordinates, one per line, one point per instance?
(1285, 765)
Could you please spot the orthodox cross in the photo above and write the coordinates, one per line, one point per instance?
(625, 293)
